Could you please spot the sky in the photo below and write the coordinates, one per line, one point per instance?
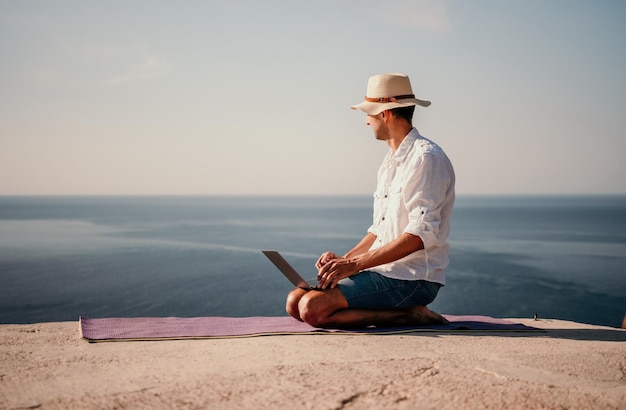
(253, 97)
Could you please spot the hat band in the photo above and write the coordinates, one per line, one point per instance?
(389, 99)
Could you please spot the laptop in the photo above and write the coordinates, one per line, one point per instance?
(289, 272)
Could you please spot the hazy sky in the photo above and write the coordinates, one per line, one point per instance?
(252, 97)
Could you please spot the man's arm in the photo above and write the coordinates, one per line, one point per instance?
(362, 247)
(400, 247)
(336, 269)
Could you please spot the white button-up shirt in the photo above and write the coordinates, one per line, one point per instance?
(415, 195)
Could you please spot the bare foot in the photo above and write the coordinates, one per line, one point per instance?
(421, 315)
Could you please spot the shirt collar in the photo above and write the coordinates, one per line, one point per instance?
(406, 145)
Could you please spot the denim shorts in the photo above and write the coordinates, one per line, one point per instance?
(371, 290)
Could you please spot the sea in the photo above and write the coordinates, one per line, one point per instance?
(62, 257)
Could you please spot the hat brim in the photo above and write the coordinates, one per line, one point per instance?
(375, 108)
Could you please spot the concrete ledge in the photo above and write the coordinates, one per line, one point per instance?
(571, 365)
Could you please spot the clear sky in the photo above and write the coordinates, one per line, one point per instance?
(252, 97)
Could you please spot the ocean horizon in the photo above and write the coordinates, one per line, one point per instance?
(62, 257)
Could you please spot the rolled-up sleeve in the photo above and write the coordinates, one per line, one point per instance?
(424, 195)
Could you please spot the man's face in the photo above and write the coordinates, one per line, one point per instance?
(378, 125)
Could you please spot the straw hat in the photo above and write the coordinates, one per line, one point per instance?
(387, 91)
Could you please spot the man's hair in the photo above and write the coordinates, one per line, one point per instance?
(405, 113)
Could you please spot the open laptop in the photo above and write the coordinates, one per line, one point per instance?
(289, 272)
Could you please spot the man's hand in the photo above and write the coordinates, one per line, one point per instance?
(333, 270)
(325, 258)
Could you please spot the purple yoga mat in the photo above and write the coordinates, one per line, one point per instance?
(165, 328)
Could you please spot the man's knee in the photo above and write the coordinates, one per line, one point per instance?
(315, 308)
(309, 310)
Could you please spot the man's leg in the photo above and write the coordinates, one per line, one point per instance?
(329, 308)
(293, 300)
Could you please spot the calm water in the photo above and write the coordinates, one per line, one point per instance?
(61, 257)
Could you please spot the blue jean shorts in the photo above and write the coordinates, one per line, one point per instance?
(371, 290)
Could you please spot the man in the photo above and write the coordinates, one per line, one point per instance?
(398, 267)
